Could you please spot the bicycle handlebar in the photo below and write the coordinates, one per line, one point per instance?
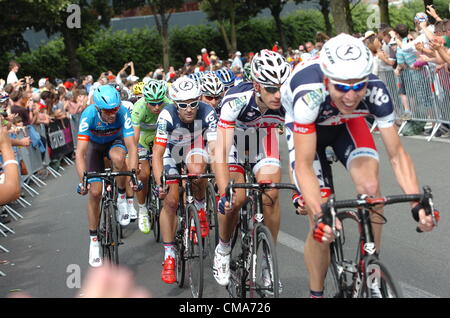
(109, 174)
(364, 201)
(190, 176)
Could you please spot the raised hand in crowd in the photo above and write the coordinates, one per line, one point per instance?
(432, 12)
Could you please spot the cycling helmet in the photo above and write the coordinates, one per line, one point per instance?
(345, 57)
(269, 68)
(155, 91)
(197, 76)
(106, 97)
(211, 85)
(137, 88)
(248, 72)
(227, 76)
(184, 88)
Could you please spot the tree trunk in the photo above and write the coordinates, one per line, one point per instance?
(71, 44)
(165, 42)
(325, 9)
(276, 12)
(233, 30)
(225, 35)
(342, 16)
(384, 11)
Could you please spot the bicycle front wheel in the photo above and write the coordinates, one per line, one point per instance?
(378, 283)
(153, 207)
(194, 252)
(265, 281)
(212, 239)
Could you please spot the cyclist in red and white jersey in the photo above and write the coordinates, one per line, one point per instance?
(326, 100)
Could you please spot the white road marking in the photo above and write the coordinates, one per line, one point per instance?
(298, 245)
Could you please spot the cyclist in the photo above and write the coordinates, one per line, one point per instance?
(326, 100)
(105, 130)
(227, 77)
(254, 109)
(144, 119)
(136, 91)
(183, 129)
(212, 90)
(247, 72)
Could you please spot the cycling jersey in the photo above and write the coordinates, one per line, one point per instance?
(147, 121)
(183, 140)
(309, 109)
(239, 110)
(92, 128)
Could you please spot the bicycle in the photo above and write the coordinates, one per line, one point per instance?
(152, 201)
(253, 250)
(367, 276)
(188, 238)
(109, 234)
(212, 239)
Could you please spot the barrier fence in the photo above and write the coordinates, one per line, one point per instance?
(420, 95)
(49, 143)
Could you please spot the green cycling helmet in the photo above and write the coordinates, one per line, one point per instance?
(155, 91)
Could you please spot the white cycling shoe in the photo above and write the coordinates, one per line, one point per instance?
(221, 269)
(131, 211)
(122, 216)
(95, 260)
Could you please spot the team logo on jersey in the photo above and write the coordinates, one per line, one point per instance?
(84, 125)
(237, 103)
(313, 99)
(348, 52)
(377, 96)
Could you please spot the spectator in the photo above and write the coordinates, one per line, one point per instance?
(12, 76)
(275, 47)
(389, 47)
(374, 45)
(311, 49)
(213, 58)
(205, 58)
(18, 108)
(42, 84)
(237, 62)
(10, 187)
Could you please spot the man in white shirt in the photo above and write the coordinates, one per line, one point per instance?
(13, 69)
(237, 61)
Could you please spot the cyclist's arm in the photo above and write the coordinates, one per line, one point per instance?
(400, 161)
(130, 143)
(157, 162)
(222, 149)
(305, 152)
(80, 158)
(137, 133)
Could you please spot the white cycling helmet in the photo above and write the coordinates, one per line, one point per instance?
(345, 57)
(270, 68)
(184, 88)
(212, 85)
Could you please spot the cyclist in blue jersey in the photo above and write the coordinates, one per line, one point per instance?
(326, 100)
(105, 130)
(227, 77)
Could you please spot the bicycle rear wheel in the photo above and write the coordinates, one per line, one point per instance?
(153, 207)
(265, 283)
(212, 239)
(378, 283)
(194, 252)
(237, 287)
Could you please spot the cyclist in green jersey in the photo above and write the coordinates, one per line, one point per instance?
(144, 118)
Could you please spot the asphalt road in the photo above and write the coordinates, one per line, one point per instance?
(50, 246)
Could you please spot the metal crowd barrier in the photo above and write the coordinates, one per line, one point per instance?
(34, 163)
(426, 92)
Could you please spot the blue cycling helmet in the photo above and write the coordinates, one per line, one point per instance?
(227, 76)
(107, 97)
(198, 76)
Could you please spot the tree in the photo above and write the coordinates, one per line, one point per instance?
(162, 11)
(384, 12)
(230, 12)
(275, 7)
(342, 16)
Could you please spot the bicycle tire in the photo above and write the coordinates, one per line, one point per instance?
(102, 233)
(335, 285)
(180, 250)
(378, 282)
(194, 252)
(264, 251)
(236, 287)
(116, 235)
(211, 241)
(154, 208)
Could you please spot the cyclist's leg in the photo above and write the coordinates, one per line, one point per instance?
(196, 162)
(144, 175)
(117, 154)
(362, 162)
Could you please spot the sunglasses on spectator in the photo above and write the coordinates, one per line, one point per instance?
(344, 88)
(209, 97)
(271, 89)
(111, 111)
(192, 105)
(153, 104)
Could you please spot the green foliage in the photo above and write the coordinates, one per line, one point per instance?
(302, 26)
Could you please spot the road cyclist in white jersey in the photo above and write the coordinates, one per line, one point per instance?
(252, 109)
(212, 90)
(326, 100)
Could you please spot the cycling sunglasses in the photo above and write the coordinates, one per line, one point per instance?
(111, 111)
(272, 89)
(193, 105)
(154, 104)
(344, 88)
(208, 97)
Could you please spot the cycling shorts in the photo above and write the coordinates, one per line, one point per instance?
(97, 152)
